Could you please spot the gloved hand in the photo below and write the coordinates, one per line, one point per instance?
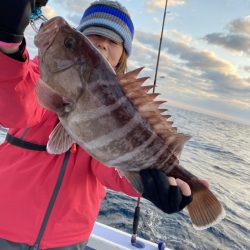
(40, 3)
(157, 190)
(15, 17)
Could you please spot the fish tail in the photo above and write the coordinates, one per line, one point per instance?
(205, 210)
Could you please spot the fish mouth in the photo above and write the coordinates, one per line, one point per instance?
(47, 33)
(45, 38)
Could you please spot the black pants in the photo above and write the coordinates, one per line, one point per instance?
(8, 245)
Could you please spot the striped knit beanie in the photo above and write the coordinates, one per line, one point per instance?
(109, 19)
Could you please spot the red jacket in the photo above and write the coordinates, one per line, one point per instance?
(27, 178)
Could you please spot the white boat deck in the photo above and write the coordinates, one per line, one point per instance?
(107, 238)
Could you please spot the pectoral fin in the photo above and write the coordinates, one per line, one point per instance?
(49, 98)
(59, 140)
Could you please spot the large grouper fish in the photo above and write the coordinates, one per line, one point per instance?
(111, 116)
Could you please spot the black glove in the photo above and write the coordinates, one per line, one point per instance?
(157, 190)
(40, 3)
(14, 18)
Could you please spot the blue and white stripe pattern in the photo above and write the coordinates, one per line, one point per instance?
(112, 16)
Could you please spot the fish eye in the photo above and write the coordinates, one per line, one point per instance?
(69, 43)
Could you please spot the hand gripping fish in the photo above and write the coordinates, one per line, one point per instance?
(111, 116)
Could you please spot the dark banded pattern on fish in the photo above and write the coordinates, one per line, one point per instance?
(112, 117)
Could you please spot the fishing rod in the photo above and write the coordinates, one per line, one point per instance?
(134, 241)
(159, 50)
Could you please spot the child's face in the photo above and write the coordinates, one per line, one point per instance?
(111, 50)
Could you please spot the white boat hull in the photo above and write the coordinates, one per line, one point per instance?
(104, 237)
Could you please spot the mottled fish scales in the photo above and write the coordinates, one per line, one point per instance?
(113, 117)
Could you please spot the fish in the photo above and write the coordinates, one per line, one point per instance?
(112, 116)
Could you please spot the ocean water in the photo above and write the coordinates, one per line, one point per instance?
(218, 151)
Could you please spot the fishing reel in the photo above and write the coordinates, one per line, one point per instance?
(37, 18)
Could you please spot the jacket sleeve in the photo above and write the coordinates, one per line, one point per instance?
(18, 105)
(111, 179)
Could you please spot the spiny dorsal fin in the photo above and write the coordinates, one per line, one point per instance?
(154, 95)
(162, 110)
(132, 85)
(150, 106)
(166, 116)
(176, 143)
(147, 88)
(132, 74)
(150, 109)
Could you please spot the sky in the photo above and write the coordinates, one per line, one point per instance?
(204, 63)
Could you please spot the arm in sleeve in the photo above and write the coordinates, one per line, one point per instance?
(111, 179)
(18, 104)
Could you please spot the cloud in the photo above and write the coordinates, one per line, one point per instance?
(77, 6)
(247, 69)
(233, 42)
(71, 10)
(241, 25)
(236, 38)
(49, 12)
(184, 71)
(189, 71)
(159, 4)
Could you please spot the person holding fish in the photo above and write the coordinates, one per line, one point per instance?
(51, 195)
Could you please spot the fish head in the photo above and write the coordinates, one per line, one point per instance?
(67, 61)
